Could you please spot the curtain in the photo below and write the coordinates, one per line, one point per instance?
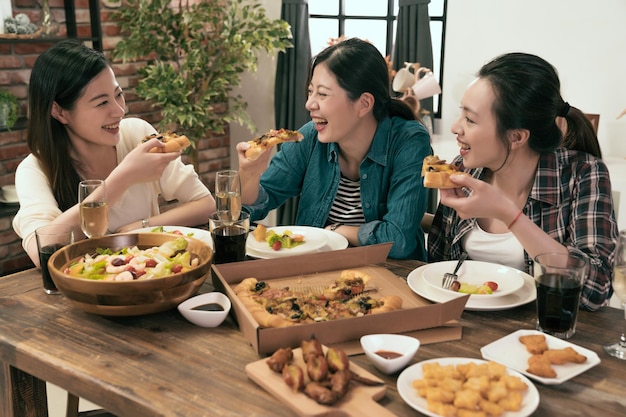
(290, 90)
(414, 44)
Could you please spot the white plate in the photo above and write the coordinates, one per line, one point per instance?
(509, 280)
(525, 295)
(509, 351)
(2, 200)
(413, 372)
(314, 239)
(203, 235)
(335, 242)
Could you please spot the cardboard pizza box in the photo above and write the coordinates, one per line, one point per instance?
(418, 317)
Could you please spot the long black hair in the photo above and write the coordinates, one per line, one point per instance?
(527, 93)
(60, 75)
(360, 68)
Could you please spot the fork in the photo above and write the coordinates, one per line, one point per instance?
(449, 278)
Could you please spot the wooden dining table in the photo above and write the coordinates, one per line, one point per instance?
(162, 365)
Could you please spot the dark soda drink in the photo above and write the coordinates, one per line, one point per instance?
(557, 303)
(229, 244)
(44, 254)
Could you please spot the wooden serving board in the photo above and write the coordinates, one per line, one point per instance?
(358, 402)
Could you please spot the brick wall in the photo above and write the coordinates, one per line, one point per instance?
(16, 60)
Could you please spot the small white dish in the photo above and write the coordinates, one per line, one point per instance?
(389, 352)
(202, 310)
(510, 352)
(509, 280)
(314, 239)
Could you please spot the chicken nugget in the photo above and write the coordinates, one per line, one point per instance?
(535, 343)
(512, 402)
(562, 356)
(445, 410)
(497, 391)
(477, 383)
(540, 365)
(496, 370)
(514, 383)
(436, 394)
(467, 398)
(491, 408)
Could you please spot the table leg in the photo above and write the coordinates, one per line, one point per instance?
(21, 394)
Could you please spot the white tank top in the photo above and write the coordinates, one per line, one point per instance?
(500, 248)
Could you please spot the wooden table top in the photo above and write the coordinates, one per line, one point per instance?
(161, 365)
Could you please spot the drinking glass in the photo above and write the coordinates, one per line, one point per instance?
(94, 211)
(51, 238)
(228, 194)
(559, 279)
(618, 349)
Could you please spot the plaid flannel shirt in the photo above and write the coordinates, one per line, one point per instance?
(571, 201)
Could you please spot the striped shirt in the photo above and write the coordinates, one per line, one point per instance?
(347, 207)
(571, 201)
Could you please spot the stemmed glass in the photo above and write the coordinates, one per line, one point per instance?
(618, 349)
(228, 194)
(94, 210)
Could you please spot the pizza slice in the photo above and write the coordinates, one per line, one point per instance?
(269, 140)
(436, 173)
(172, 142)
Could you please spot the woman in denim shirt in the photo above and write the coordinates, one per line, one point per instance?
(360, 142)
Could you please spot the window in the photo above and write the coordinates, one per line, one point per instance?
(376, 22)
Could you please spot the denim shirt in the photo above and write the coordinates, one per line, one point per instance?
(392, 193)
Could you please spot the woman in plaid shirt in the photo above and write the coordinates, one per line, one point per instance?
(529, 194)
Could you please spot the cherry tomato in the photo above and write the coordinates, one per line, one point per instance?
(491, 284)
(151, 263)
(277, 245)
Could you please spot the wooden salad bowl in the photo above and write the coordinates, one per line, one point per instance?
(129, 298)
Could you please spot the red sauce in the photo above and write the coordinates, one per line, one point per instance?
(388, 354)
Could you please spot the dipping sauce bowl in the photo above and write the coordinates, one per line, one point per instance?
(389, 352)
(206, 310)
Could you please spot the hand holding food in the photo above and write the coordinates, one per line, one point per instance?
(436, 173)
(269, 140)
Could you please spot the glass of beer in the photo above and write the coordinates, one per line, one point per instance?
(559, 279)
(94, 211)
(228, 194)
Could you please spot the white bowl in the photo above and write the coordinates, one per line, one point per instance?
(476, 273)
(204, 317)
(404, 346)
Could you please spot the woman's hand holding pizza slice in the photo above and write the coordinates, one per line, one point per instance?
(270, 139)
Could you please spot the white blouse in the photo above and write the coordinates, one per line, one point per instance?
(500, 248)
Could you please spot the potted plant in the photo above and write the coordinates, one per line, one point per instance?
(9, 110)
(195, 53)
